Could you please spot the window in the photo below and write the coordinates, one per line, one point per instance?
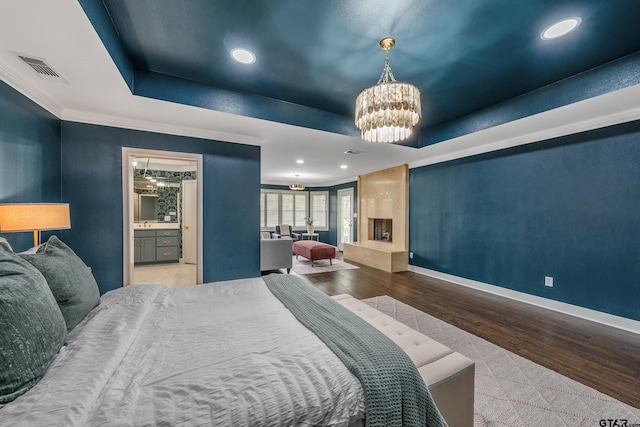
(283, 207)
(269, 210)
(320, 209)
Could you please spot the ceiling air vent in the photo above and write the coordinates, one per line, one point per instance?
(354, 152)
(40, 66)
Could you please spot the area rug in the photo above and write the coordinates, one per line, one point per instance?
(511, 390)
(303, 266)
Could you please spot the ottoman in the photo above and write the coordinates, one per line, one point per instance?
(314, 251)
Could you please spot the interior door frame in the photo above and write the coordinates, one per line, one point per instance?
(127, 205)
(341, 192)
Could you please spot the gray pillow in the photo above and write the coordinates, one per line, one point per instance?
(5, 244)
(33, 329)
(70, 280)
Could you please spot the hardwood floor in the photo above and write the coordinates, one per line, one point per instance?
(604, 358)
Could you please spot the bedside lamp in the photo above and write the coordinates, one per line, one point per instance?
(36, 217)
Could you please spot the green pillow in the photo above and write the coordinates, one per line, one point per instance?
(32, 327)
(70, 280)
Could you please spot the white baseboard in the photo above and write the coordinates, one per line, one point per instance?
(573, 310)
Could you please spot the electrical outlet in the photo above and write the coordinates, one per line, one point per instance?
(548, 281)
(410, 255)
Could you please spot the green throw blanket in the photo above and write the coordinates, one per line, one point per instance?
(395, 394)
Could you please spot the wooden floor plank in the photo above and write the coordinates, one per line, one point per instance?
(602, 357)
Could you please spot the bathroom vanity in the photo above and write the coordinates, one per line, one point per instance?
(156, 245)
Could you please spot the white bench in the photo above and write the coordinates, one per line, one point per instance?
(448, 375)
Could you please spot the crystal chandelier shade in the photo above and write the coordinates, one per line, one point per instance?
(388, 111)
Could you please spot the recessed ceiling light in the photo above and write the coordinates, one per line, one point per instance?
(343, 166)
(243, 56)
(560, 28)
(299, 161)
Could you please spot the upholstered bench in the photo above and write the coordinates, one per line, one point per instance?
(314, 251)
(448, 375)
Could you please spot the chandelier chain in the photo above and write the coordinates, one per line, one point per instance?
(386, 73)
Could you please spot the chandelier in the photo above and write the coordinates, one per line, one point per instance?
(296, 187)
(388, 111)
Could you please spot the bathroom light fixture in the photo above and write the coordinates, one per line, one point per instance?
(243, 56)
(388, 111)
(560, 28)
(296, 187)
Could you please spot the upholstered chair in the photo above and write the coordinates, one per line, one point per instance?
(285, 231)
(276, 254)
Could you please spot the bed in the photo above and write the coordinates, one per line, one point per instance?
(222, 354)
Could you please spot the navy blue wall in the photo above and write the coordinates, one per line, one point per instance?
(330, 235)
(92, 183)
(567, 208)
(29, 156)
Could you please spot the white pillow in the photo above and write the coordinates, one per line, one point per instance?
(284, 230)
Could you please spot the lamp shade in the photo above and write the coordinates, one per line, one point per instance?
(16, 217)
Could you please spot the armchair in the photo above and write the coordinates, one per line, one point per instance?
(276, 254)
(284, 230)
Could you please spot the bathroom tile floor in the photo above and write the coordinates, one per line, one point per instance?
(171, 275)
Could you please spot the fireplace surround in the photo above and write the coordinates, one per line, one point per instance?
(383, 218)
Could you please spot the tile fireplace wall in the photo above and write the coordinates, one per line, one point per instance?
(382, 194)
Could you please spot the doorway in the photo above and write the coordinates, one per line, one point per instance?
(162, 222)
(345, 217)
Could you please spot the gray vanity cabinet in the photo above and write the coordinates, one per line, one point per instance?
(167, 245)
(144, 246)
(151, 246)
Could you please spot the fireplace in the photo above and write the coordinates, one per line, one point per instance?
(380, 229)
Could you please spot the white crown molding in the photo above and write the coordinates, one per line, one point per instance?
(619, 322)
(27, 89)
(472, 144)
(150, 126)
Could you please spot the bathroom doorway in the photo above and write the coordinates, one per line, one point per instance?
(162, 229)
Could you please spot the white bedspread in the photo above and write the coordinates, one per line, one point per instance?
(221, 354)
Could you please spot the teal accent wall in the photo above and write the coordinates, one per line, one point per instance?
(92, 183)
(567, 208)
(29, 156)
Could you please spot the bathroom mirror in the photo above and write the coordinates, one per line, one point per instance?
(147, 208)
(157, 201)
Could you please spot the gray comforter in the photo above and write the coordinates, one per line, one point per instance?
(221, 354)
